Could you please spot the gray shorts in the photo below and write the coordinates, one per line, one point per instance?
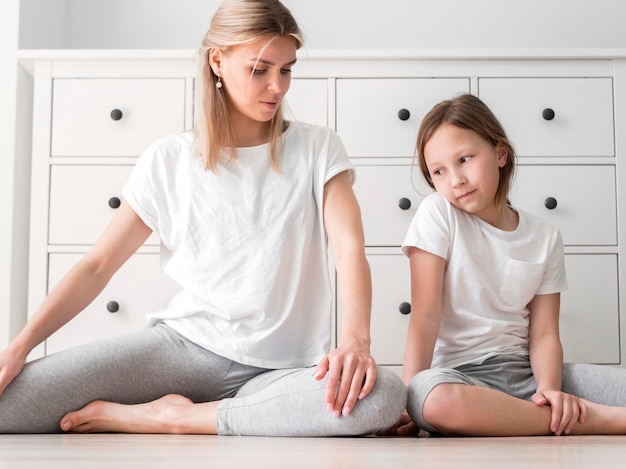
(513, 375)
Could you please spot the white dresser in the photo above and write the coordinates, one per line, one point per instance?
(95, 111)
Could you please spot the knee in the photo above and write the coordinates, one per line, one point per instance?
(388, 398)
(442, 408)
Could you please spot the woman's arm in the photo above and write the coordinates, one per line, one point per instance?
(546, 361)
(77, 288)
(351, 368)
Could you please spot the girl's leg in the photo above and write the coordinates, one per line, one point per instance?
(454, 405)
(131, 369)
(291, 403)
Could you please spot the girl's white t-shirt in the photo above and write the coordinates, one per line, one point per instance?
(491, 275)
(247, 244)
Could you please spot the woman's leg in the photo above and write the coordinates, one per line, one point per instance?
(132, 369)
(275, 403)
(597, 383)
(291, 403)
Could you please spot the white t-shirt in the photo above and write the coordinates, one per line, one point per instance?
(246, 244)
(491, 275)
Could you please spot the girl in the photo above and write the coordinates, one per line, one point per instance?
(483, 354)
(242, 206)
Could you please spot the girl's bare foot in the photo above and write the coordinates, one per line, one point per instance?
(159, 416)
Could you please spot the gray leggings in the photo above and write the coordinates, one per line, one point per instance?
(513, 375)
(157, 361)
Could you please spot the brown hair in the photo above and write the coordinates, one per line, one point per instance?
(236, 22)
(468, 112)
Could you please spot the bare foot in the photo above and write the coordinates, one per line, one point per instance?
(158, 416)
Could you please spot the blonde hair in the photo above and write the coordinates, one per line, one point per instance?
(236, 22)
(468, 112)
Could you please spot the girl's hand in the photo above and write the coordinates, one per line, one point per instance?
(403, 427)
(11, 365)
(351, 374)
(567, 410)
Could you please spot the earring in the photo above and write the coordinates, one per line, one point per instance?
(218, 85)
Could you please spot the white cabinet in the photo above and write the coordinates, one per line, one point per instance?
(94, 115)
(114, 117)
(138, 288)
(565, 117)
(380, 117)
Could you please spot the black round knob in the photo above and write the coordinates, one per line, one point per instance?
(405, 308)
(113, 306)
(550, 203)
(404, 114)
(114, 202)
(116, 114)
(404, 203)
(548, 114)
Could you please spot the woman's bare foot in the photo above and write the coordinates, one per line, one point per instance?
(169, 414)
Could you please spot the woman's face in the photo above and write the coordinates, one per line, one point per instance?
(255, 79)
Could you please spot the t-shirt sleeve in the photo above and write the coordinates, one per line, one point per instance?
(430, 229)
(336, 160)
(141, 189)
(554, 277)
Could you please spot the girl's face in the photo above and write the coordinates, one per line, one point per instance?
(465, 169)
(255, 79)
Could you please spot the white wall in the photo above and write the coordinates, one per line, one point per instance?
(14, 175)
(342, 24)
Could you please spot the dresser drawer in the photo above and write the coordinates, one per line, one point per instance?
(114, 117)
(589, 320)
(388, 201)
(380, 117)
(307, 101)
(580, 124)
(83, 200)
(138, 288)
(585, 198)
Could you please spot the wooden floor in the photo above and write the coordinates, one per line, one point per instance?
(188, 452)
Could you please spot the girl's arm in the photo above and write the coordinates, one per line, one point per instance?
(546, 361)
(77, 289)
(427, 272)
(350, 367)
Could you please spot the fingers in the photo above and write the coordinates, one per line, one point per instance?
(566, 412)
(349, 378)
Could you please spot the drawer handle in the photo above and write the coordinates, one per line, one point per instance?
(405, 308)
(114, 202)
(404, 203)
(116, 114)
(113, 306)
(550, 203)
(404, 114)
(548, 114)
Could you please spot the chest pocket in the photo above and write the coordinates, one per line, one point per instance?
(520, 282)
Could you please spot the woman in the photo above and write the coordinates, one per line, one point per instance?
(243, 206)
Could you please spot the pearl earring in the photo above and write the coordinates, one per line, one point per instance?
(218, 85)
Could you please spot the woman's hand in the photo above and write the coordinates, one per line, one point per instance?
(567, 410)
(351, 374)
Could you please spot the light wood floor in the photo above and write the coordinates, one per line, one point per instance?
(172, 452)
